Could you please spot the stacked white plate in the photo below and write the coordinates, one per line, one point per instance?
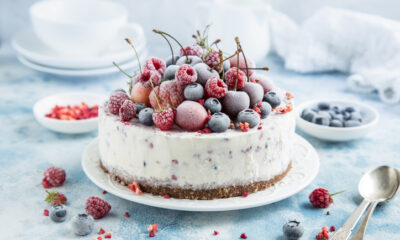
(34, 54)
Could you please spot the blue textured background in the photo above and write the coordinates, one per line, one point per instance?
(27, 148)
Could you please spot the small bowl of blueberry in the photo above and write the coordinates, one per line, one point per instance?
(336, 120)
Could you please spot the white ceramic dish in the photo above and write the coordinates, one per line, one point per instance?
(336, 134)
(27, 44)
(127, 66)
(304, 169)
(44, 106)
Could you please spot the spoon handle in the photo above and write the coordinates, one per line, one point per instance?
(344, 232)
(359, 234)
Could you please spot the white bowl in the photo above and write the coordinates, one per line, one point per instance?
(44, 106)
(338, 134)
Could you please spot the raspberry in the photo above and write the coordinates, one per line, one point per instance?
(164, 119)
(154, 75)
(97, 207)
(194, 50)
(186, 74)
(171, 93)
(321, 198)
(54, 176)
(55, 198)
(243, 236)
(127, 110)
(216, 88)
(115, 102)
(232, 76)
(45, 183)
(212, 60)
(155, 64)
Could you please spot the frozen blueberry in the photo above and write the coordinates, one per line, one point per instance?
(170, 62)
(293, 230)
(58, 213)
(192, 60)
(336, 109)
(308, 115)
(338, 117)
(82, 224)
(204, 72)
(356, 116)
(352, 123)
(250, 116)
(170, 71)
(272, 98)
(323, 106)
(213, 105)
(265, 109)
(139, 107)
(336, 123)
(305, 111)
(325, 114)
(321, 120)
(219, 122)
(194, 92)
(350, 109)
(346, 115)
(119, 90)
(146, 116)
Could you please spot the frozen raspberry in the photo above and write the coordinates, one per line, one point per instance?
(216, 88)
(127, 110)
(194, 50)
(155, 64)
(232, 76)
(242, 64)
(140, 94)
(212, 60)
(321, 198)
(172, 93)
(191, 116)
(45, 183)
(55, 198)
(148, 75)
(115, 102)
(164, 119)
(54, 176)
(186, 74)
(97, 207)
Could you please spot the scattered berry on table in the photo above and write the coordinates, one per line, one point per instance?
(170, 72)
(58, 213)
(265, 109)
(45, 183)
(255, 92)
(194, 50)
(243, 236)
(352, 123)
(156, 64)
(55, 198)
(213, 105)
(216, 88)
(139, 107)
(324, 106)
(204, 72)
(250, 116)
(97, 207)
(150, 78)
(169, 61)
(332, 228)
(234, 102)
(164, 120)
(219, 122)
(242, 63)
(82, 224)
(186, 74)
(216, 232)
(127, 111)
(126, 214)
(235, 77)
(108, 235)
(146, 116)
(194, 92)
(193, 60)
(324, 234)
(321, 198)
(293, 230)
(140, 94)
(152, 229)
(212, 59)
(54, 176)
(266, 83)
(273, 99)
(191, 116)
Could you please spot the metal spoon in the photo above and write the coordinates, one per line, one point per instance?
(359, 234)
(379, 184)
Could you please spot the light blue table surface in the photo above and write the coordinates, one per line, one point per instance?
(27, 148)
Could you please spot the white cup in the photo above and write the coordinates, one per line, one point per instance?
(77, 27)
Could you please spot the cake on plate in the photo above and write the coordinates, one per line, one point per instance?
(200, 125)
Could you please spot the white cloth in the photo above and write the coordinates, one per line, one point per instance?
(365, 46)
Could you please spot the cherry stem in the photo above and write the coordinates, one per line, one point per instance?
(221, 63)
(245, 60)
(170, 47)
(137, 55)
(333, 194)
(155, 94)
(231, 56)
(263, 68)
(237, 70)
(120, 69)
(161, 32)
(215, 42)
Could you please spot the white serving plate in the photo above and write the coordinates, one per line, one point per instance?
(370, 119)
(305, 167)
(44, 106)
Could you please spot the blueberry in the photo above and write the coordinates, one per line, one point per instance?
(194, 92)
(119, 90)
(321, 120)
(352, 123)
(293, 230)
(336, 123)
(250, 116)
(193, 60)
(265, 109)
(338, 117)
(204, 72)
(272, 99)
(350, 109)
(324, 106)
(305, 111)
(356, 116)
(227, 65)
(308, 115)
(146, 116)
(139, 107)
(346, 115)
(213, 105)
(169, 60)
(325, 114)
(219, 122)
(336, 109)
(82, 224)
(58, 213)
(170, 71)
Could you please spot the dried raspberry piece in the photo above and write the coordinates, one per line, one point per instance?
(126, 214)
(46, 212)
(212, 59)
(164, 120)
(245, 194)
(101, 231)
(45, 183)
(54, 176)
(232, 76)
(194, 50)
(134, 187)
(216, 88)
(156, 64)
(243, 236)
(216, 232)
(108, 235)
(289, 95)
(186, 74)
(166, 196)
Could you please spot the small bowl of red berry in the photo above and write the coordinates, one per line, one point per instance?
(71, 113)
(336, 120)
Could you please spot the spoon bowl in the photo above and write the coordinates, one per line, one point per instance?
(379, 184)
